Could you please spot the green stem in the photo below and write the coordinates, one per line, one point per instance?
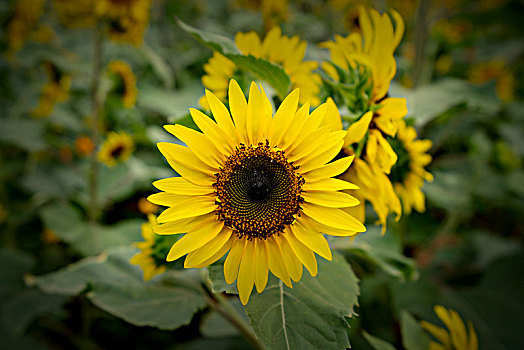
(220, 304)
(95, 123)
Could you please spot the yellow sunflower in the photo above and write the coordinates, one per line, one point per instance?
(146, 259)
(257, 186)
(288, 52)
(373, 184)
(455, 337)
(127, 19)
(408, 173)
(373, 48)
(54, 91)
(126, 84)
(273, 11)
(498, 71)
(116, 148)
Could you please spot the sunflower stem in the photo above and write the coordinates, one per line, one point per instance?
(95, 122)
(220, 304)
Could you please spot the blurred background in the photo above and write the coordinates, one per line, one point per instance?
(459, 65)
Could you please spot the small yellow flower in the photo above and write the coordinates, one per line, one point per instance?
(116, 148)
(288, 52)
(127, 19)
(84, 146)
(454, 336)
(145, 259)
(126, 81)
(54, 91)
(374, 48)
(257, 185)
(408, 174)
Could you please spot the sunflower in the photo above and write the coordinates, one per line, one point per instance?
(116, 148)
(498, 71)
(287, 52)
(455, 337)
(273, 11)
(54, 91)
(408, 173)
(126, 81)
(373, 184)
(257, 186)
(75, 14)
(23, 24)
(373, 48)
(150, 265)
(127, 19)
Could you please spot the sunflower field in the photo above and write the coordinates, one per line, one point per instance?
(235, 174)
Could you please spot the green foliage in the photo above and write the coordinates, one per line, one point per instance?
(413, 336)
(377, 343)
(310, 315)
(115, 286)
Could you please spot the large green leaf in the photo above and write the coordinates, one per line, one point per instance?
(24, 133)
(117, 287)
(312, 315)
(261, 68)
(428, 101)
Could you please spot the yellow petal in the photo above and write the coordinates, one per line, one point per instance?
(198, 256)
(195, 239)
(222, 116)
(303, 253)
(261, 266)
(333, 217)
(233, 260)
(330, 184)
(284, 116)
(193, 207)
(314, 240)
(175, 227)
(220, 253)
(358, 129)
(276, 263)
(330, 199)
(179, 185)
(255, 114)
(217, 136)
(238, 108)
(293, 265)
(183, 155)
(329, 170)
(246, 273)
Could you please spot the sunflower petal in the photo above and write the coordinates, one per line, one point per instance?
(246, 273)
(195, 239)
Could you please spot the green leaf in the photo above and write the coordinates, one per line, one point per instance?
(117, 287)
(260, 67)
(173, 105)
(24, 133)
(215, 42)
(214, 325)
(312, 314)
(264, 70)
(377, 343)
(413, 336)
(217, 280)
(428, 101)
(383, 251)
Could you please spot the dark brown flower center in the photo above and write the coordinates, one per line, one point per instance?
(258, 191)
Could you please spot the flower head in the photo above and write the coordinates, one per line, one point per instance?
(257, 186)
(54, 91)
(116, 148)
(126, 81)
(455, 337)
(408, 174)
(288, 52)
(127, 19)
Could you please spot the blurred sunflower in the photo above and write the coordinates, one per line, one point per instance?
(125, 82)
(116, 148)
(455, 337)
(256, 186)
(84, 145)
(153, 251)
(54, 91)
(273, 11)
(75, 14)
(408, 173)
(495, 70)
(23, 24)
(287, 52)
(127, 19)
